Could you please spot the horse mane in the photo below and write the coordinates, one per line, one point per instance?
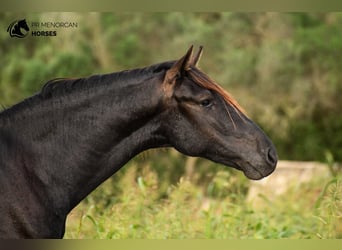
(58, 86)
(206, 82)
(61, 86)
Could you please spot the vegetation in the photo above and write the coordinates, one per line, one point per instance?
(284, 69)
(217, 209)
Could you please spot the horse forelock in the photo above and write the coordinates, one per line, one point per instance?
(206, 82)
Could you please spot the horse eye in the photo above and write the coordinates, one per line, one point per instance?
(206, 103)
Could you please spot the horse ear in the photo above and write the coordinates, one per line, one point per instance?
(197, 57)
(179, 67)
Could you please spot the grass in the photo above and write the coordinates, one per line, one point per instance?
(132, 206)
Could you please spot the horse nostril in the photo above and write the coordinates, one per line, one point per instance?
(271, 157)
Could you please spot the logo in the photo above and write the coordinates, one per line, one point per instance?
(18, 28)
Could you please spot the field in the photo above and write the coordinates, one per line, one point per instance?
(135, 204)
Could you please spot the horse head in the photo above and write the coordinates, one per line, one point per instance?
(204, 120)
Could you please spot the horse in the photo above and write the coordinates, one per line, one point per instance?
(14, 29)
(60, 144)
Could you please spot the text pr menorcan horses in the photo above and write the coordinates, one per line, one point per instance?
(60, 144)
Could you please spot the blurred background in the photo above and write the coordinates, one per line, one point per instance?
(283, 68)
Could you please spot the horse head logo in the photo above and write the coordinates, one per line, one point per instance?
(18, 28)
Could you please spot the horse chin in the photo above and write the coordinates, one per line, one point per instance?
(249, 171)
(253, 174)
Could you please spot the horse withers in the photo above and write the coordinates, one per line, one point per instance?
(60, 144)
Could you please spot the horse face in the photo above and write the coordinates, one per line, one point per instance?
(202, 123)
(23, 24)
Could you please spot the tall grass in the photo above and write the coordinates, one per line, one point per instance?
(188, 210)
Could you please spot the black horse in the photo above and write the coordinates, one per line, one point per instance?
(14, 29)
(60, 144)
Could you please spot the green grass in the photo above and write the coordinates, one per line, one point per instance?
(138, 209)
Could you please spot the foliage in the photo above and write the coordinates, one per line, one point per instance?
(187, 211)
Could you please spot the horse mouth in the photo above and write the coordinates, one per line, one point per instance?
(250, 171)
(253, 173)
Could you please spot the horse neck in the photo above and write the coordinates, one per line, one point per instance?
(78, 141)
